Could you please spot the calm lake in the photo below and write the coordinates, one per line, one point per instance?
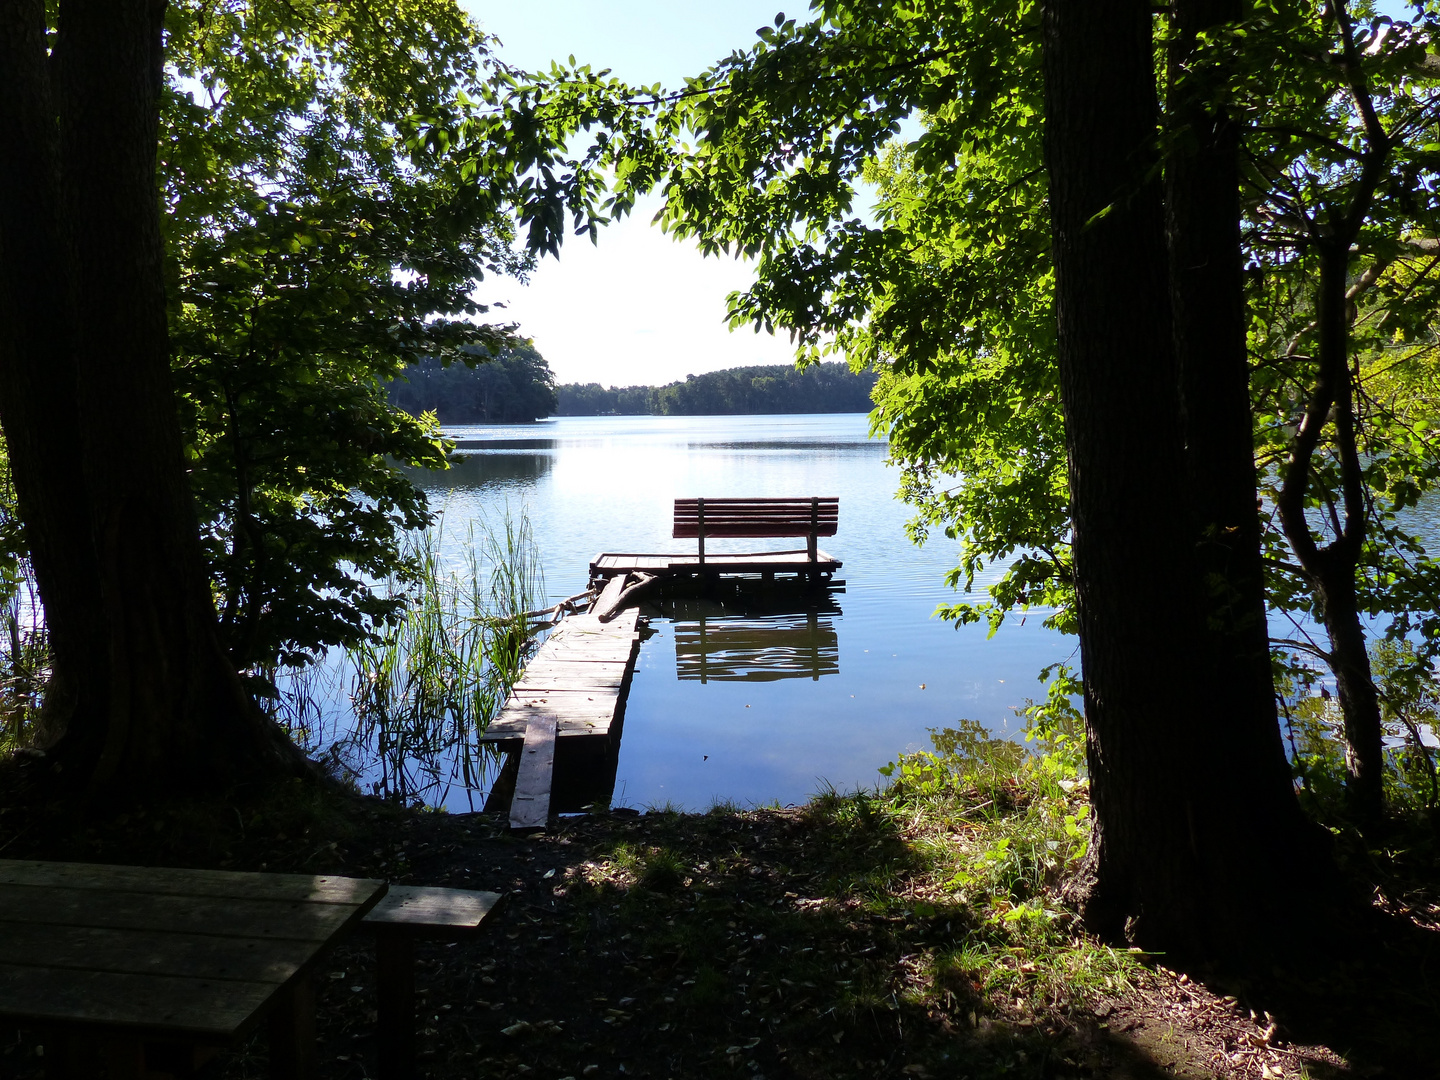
(740, 704)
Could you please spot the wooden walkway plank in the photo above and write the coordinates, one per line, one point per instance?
(570, 689)
(530, 808)
(591, 684)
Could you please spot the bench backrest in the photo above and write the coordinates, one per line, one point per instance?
(756, 517)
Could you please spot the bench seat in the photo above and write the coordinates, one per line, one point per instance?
(406, 914)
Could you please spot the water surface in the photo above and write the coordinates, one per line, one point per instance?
(769, 699)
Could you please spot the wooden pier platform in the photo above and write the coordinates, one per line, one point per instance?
(764, 563)
(572, 688)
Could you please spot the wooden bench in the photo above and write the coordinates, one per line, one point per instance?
(409, 913)
(811, 518)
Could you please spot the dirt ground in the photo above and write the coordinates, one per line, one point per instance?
(728, 945)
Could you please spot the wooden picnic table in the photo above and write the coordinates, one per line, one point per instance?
(117, 962)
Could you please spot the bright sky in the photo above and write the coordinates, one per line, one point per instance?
(639, 308)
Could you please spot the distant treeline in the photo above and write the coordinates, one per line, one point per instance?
(517, 385)
(777, 388)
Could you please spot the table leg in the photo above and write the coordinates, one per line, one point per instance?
(292, 1032)
(395, 954)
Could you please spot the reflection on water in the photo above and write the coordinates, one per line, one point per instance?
(713, 644)
(486, 471)
(497, 444)
(435, 763)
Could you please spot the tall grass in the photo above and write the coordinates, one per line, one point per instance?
(426, 686)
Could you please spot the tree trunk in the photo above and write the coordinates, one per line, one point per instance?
(1202, 199)
(39, 376)
(1355, 689)
(144, 691)
(1331, 569)
(1178, 850)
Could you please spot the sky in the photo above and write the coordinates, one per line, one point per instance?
(639, 308)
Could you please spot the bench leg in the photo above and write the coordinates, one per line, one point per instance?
(395, 956)
(292, 1032)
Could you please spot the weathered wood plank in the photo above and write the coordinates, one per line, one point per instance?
(206, 1008)
(570, 683)
(197, 956)
(550, 668)
(514, 730)
(596, 701)
(179, 882)
(423, 907)
(530, 806)
(222, 916)
(590, 623)
(620, 643)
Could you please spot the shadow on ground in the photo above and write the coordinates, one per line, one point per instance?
(746, 945)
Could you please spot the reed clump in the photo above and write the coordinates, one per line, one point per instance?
(426, 685)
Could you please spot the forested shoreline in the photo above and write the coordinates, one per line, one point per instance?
(512, 386)
(515, 385)
(738, 391)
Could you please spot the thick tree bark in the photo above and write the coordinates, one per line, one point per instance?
(39, 376)
(1178, 849)
(143, 690)
(1202, 197)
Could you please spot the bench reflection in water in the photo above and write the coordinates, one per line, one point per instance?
(753, 646)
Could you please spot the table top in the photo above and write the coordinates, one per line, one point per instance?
(191, 952)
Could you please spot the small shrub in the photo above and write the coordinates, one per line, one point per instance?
(663, 871)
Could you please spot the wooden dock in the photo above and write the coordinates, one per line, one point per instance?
(765, 564)
(572, 689)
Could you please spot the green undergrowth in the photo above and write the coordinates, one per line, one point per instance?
(1397, 857)
(995, 830)
(937, 896)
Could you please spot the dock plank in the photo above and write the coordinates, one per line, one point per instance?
(586, 683)
(539, 670)
(530, 807)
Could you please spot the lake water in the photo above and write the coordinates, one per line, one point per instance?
(732, 702)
